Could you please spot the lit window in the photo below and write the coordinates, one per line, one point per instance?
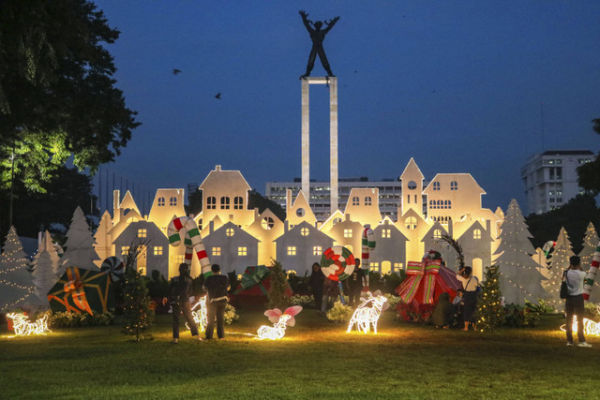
(267, 223)
(411, 223)
(238, 203)
(453, 185)
(224, 203)
(386, 233)
(398, 266)
(355, 201)
(304, 231)
(449, 203)
(436, 186)
(347, 233)
(477, 234)
(124, 250)
(291, 250)
(216, 251)
(161, 201)
(142, 233)
(317, 250)
(374, 266)
(242, 251)
(432, 204)
(367, 201)
(229, 232)
(173, 201)
(158, 250)
(437, 234)
(211, 202)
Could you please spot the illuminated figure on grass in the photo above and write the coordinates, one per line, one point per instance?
(199, 314)
(23, 327)
(368, 312)
(589, 327)
(280, 322)
(317, 36)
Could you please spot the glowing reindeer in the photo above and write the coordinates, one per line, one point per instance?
(280, 322)
(199, 314)
(23, 327)
(368, 313)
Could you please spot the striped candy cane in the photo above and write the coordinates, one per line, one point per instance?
(368, 244)
(591, 275)
(186, 227)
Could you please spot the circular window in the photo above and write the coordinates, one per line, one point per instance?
(412, 185)
(304, 231)
(300, 212)
(229, 232)
(268, 223)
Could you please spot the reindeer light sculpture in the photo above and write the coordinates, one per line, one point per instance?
(368, 312)
(589, 327)
(199, 313)
(280, 322)
(23, 327)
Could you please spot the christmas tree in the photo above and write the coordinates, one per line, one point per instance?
(520, 278)
(590, 243)
(490, 310)
(137, 314)
(80, 245)
(278, 288)
(15, 278)
(560, 262)
(45, 267)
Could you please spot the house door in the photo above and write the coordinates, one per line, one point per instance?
(142, 260)
(478, 268)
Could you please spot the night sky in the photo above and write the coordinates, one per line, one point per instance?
(456, 85)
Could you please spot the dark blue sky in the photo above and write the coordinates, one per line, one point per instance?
(456, 85)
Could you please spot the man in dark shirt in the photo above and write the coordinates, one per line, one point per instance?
(179, 297)
(217, 286)
(354, 285)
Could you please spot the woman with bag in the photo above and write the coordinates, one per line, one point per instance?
(573, 278)
(471, 290)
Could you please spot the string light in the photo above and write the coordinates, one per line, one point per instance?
(589, 327)
(199, 313)
(23, 327)
(280, 322)
(367, 313)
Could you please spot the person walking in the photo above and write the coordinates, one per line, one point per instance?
(574, 306)
(470, 285)
(217, 286)
(316, 284)
(180, 292)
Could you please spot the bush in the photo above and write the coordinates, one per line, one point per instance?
(231, 314)
(592, 311)
(302, 300)
(520, 316)
(541, 307)
(299, 284)
(68, 319)
(392, 300)
(339, 313)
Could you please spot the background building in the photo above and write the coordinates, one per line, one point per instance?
(550, 178)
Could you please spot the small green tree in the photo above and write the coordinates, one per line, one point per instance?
(490, 310)
(137, 314)
(278, 288)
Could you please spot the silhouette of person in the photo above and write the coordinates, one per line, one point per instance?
(317, 35)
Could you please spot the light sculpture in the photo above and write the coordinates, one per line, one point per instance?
(368, 312)
(23, 327)
(589, 327)
(199, 314)
(280, 322)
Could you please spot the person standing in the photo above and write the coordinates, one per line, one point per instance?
(316, 284)
(470, 285)
(354, 285)
(574, 306)
(217, 286)
(179, 297)
(330, 292)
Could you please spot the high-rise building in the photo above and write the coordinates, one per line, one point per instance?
(550, 178)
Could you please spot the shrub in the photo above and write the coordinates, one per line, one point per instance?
(520, 316)
(302, 300)
(68, 319)
(230, 315)
(339, 313)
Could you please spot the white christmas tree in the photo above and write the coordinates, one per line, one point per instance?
(45, 267)
(520, 279)
(15, 278)
(80, 245)
(559, 263)
(103, 244)
(590, 243)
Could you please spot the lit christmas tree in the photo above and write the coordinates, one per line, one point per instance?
(590, 243)
(490, 310)
(559, 263)
(80, 245)
(15, 278)
(137, 313)
(520, 278)
(45, 267)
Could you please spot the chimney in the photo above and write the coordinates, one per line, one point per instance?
(211, 227)
(288, 200)
(218, 167)
(450, 227)
(116, 206)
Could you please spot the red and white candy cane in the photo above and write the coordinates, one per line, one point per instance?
(368, 244)
(588, 282)
(186, 227)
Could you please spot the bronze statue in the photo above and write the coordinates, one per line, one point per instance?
(317, 35)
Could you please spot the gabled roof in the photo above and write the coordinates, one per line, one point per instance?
(413, 169)
(462, 178)
(304, 224)
(436, 225)
(224, 177)
(485, 235)
(389, 225)
(237, 229)
(129, 203)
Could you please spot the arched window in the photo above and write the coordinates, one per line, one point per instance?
(436, 186)
(449, 203)
(477, 234)
(161, 201)
(224, 203)
(431, 204)
(304, 231)
(411, 223)
(437, 234)
(355, 201)
(211, 202)
(368, 201)
(173, 201)
(300, 212)
(238, 203)
(446, 204)
(453, 185)
(267, 223)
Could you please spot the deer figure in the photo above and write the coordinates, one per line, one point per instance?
(199, 312)
(23, 327)
(368, 312)
(280, 322)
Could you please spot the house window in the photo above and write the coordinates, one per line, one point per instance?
(398, 267)
(317, 250)
(347, 233)
(200, 224)
(124, 250)
(224, 203)
(267, 223)
(291, 250)
(229, 232)
(242, 251)
(477, 234)
(304, 231)
(173, 201)
(453, 185)
(411, 223)
(374, 266)
(216, 251)
(161, 201)
(211, 202)
(432, 204)
(437, 234)
(142, 233)
(355, 201)
(408, 199)
(386, 233)
(158, 250)
(368, 201)
(436, 186)
(238, 203)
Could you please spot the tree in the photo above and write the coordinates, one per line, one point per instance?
(15, 278)
(80, 245)
(57, 93)
(257, 200)
(490, 310)
(589, 173)
(278, 288)
(590, 243)
(137, 313)
(519, 277)
(45, 268)
(560, 262)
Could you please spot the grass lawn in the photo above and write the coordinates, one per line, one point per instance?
(316, 360)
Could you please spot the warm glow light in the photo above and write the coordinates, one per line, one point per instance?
(23, 327)
(199, 314)
(367, 313)
(280, 322)
(589, 327)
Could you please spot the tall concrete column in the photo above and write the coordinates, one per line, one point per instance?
(305, 140)
(333, 144)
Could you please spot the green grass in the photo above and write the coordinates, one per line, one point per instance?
(315, 360)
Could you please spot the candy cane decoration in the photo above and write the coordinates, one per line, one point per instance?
(191, 239)
(588, 282)
(368, 244)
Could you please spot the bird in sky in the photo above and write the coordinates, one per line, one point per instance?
(218, 96)
(176, 71)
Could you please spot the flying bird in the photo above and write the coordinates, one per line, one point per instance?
(176, 71)
(218, 96)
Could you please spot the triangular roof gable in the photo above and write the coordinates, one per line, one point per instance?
(412, 168)
(435, 226)
(226, 174)
(124, 221)
(461, 177)
(329, 222)
(485, 235)
(129, 203)
(237, 229)
(141, 224)
(311, 228)
(301, 202)
(389, 225)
